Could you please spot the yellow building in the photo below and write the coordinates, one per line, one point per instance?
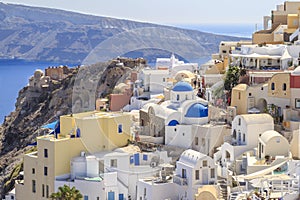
(99, 131)
(239, 99)
(208, 192)
(83, 132)
(40, 168)
(284, 22)
(279, 86)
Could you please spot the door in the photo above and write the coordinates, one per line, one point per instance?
(136, 159)
(111, 196)
(121, 196)
(205, 176)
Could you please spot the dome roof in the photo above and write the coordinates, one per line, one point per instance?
(268, 135)
(197, 110)
(182, 87)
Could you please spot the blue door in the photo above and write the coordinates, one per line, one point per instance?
(111, 196)
(121, 196)
(137, 159)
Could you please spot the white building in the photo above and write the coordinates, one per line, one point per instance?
(193, 170)
(174, 65)
(112, 175)
(246, 130)
(266, 57)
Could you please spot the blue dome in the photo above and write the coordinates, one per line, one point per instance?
(197, 110)
(182, 87)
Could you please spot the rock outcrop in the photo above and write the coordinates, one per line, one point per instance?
(38, 104)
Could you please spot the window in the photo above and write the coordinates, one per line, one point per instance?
(272, 86)
(278, 140)
(234, 134)
(33, 170)
(262, 148)
(43, 190)
(86, 197)
(145, 191)
(196, 140)
(145, 157)
(284, 87)
(12, 197)
(224, 51)
(297, 103)
(45, 153)
(203, 141)
(33, 186)
(204, 163)
(120, 128)
(244, 137)
(250, 94)
(269, 61)
(183, 173)
(212, 173)
(113, 163)
(197, 174)
(239, 95)
(164, 79)
(177, 97)
(47, 191)
(240, 121)
(131, 159)
(46, 171)
(98, 198)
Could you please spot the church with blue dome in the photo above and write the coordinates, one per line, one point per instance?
(174, 118)
(182, 87)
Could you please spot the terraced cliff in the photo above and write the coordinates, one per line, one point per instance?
(36, 107)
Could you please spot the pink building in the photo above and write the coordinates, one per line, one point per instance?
(118, 101)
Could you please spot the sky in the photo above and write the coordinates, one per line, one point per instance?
(170, 12)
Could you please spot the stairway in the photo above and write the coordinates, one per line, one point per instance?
(222, 183)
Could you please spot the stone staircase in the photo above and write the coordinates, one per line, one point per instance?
(223, 193)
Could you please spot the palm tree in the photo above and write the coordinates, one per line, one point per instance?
(66, 193)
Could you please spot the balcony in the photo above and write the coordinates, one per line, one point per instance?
(179, 180)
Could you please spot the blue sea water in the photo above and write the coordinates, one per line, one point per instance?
(14, 75)
(238, 30)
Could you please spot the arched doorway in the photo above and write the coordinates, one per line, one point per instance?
(262, 105)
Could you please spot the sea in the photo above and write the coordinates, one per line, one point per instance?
(14, 73)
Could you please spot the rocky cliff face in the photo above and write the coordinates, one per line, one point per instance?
(54, 35)
(38, 106)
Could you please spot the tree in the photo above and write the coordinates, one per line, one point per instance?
(66, 193)
(232, 78)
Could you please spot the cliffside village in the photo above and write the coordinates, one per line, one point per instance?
(173, 132)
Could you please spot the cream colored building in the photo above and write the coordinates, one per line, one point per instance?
(276, 92)
(272, 144)
(295, 147)
(83, 132)
(98, 131)
(284, 25)
(40, 168)
(208, 192)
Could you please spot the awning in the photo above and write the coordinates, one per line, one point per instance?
(51, 125)
(261, 173)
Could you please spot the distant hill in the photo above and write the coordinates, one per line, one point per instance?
(45, 34)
